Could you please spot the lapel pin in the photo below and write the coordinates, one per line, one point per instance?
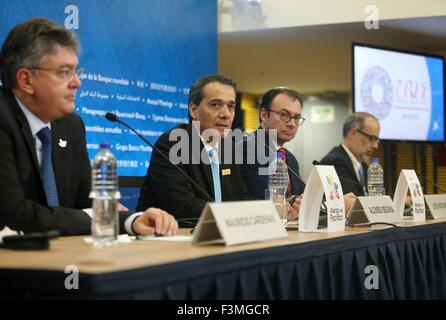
(62, 143)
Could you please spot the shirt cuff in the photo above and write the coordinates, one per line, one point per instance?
(88, 211)
(129, 222)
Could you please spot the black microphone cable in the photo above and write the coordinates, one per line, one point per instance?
(349, 223)
(114, 118)
(274, 152)
(317, 163)
(422, 176)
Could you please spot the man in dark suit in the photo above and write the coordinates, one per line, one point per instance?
(44, 166)
(351, 158)
(280, 115)
(198, 149)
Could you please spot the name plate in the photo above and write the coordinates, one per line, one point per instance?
(372, 210)
(239, 222)
(408, 180)
(436, 204)
(323, 180)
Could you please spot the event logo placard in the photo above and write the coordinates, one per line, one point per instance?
(334, 188)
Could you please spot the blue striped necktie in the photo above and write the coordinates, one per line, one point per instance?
(362, 179)
(213, 157)
(46, 168)
(361, 176)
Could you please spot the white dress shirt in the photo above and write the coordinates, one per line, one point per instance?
(356, 164)
(36, 125)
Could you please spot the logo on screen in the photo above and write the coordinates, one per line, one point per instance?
(377, 92)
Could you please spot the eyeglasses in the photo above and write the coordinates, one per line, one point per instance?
(286, 117)
(64, 74)
(372, 138)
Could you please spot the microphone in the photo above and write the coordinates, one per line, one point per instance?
(422, 176)
(114, 118)
(30, 241)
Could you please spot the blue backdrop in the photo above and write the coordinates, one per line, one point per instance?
(140, 58)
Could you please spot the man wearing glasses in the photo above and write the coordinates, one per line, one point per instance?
(44, 167)
(280, 116)
(351, 158)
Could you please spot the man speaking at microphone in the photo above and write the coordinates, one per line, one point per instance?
(197, 171)
(44, 167)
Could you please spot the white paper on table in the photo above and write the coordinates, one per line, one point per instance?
(122, 238)
(166, 238)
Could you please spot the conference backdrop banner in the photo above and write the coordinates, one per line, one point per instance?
(140, 59)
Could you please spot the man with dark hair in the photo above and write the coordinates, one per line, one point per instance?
(197, 148)
(44, 167)
(350, 159)
(280, 116)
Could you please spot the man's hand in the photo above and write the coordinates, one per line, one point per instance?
(293, 209)
(349, 200)
(155, 220)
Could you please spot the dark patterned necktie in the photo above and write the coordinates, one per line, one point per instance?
(46, 168)
(282, 151)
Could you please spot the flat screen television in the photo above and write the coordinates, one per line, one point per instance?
(404, 90)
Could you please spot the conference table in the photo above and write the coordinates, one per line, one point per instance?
(380, 262)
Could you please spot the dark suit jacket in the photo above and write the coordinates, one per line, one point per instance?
(339, 158)
(22, 197)
(167, 188)
(257, 184)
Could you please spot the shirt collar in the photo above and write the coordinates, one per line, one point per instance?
(34, 122)
(355, 162)
(206, 144)
(208, 147)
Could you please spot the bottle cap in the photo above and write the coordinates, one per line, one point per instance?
(104, 146)
(375, 160)
(279, 155)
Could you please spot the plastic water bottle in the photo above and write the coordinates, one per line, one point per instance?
(277, 187)
(105, 195)
(375, 179)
